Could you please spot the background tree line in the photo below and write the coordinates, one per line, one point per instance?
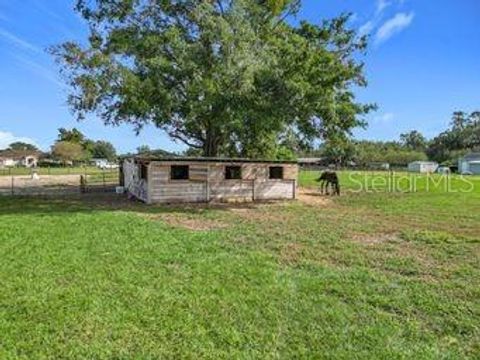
(70, 146)
(462, 137)
(73, 146)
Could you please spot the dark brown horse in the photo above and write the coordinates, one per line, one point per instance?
(329, 179)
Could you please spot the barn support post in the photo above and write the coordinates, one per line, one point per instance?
(121, 180)
(253, 190)
(207, 185)
(149, 181)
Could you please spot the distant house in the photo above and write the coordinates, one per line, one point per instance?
(100, 163)
(469, 164)
(379, 166)
(13, 158)
(311, 161)
(423, 167)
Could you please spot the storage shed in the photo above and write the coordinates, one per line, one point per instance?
(423, 166)
(469, 164)
(172, 180)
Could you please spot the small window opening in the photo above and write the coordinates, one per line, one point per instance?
(179, 172)
(143, 171)
(276, 172)
(233, 172)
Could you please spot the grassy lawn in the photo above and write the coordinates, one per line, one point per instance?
(369, 275)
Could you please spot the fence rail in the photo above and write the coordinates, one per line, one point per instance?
(68, 170)
(60, 183)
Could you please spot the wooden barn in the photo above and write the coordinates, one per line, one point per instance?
(172, 180)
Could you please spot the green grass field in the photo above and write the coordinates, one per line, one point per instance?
(368, 275)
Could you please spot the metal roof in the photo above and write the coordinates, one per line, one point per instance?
(18, 154)
(213, 159)
(310, 160)
(424, 162)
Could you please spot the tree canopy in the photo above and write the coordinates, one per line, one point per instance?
(66, 151)
(462, 137)
(104, 150)
(74, 135)
(20, 145)
(414, 140)
(224, 76)
(97, 149)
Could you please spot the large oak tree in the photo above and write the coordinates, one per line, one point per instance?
(222, 76)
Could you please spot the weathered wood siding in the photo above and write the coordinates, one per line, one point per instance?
(274, 189)
(133, 183)
(164, 190)
(207, 182)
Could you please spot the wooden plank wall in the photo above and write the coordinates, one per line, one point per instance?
(132, 182)
(274, 190)
(165, 190)
(207, 182)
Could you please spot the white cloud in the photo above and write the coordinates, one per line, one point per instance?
(6, 138)
(366, 28)
(384, 119)
(42, 6)
(15, 40)
(382, 5)
(371, 24)
(393, 26)
(380, 9)
(40, 70)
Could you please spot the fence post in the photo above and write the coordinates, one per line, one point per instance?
(13, 186)
(121, 179)
(103, 173)
(294, 189)
(83, 184)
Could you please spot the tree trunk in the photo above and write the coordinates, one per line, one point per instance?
(210, 147)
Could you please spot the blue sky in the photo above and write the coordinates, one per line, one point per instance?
(423, 63)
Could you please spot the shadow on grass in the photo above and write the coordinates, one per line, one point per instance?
(77, 203)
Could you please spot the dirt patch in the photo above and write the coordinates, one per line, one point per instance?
(373, 239)
(264, 213)
(43, 180)
(312, 198)
(188, 222)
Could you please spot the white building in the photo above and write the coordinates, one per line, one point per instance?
(469, 164)
(12, 158)
(423, 167)
(100, 163)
